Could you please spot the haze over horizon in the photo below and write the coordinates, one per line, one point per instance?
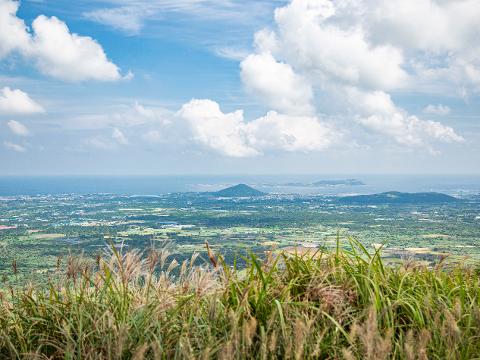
(143, 87)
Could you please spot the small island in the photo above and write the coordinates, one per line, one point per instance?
(240, 190)
(395, 197)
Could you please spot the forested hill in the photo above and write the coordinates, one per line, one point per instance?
(240, 190)
(394, 197)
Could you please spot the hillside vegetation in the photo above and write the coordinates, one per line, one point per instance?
(395, 197)
(344, 304)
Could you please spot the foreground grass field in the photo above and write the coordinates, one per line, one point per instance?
(344, 304)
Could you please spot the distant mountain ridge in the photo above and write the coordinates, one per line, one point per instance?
(240, 190)
(351, 182)
(334, 182)
(395, 197)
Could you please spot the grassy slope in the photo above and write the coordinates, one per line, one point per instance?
(345, 304)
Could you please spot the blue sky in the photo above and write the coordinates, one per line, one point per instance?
(254, 87)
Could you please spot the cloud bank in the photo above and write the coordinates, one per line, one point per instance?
(324, 71)
(355, 53)
(352, 56)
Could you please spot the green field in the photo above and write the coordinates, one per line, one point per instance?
(38, 231)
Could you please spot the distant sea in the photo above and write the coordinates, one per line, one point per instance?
(157, 185)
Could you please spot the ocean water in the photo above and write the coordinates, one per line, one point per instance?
(156, 185)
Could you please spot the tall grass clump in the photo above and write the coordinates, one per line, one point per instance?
(344, 304)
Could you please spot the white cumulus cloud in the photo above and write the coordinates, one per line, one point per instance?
(229, 134)
(15, 101)
(409, 130)
(67, 56)
(310, 39)
(290, 133)
(277, 84)
(53, 48)
(13, 32)
(18, 128)
(378, 112)
(441, 38)
(225, 133)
